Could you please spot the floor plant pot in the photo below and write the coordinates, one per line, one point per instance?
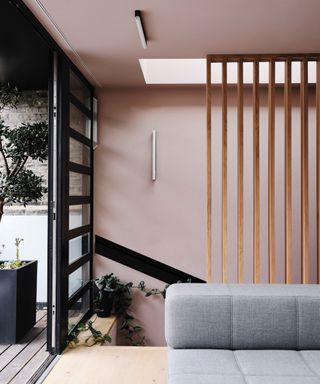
(18, 292)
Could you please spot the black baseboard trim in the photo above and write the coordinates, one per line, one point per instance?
(141, 263)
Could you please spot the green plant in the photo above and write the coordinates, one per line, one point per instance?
(110, 286)
(154, 291)
(95, 336)
(17, 262)
(122, 295)
(122, 300)
(18, 184)
(17, 243)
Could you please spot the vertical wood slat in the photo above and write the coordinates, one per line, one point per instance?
(288, 173)
(304, 173)
(318, 167)
(224, 175)
(271, 174)
(240, 275)
(256, 175)
(209, 174)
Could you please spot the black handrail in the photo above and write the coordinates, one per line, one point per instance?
(142, 263)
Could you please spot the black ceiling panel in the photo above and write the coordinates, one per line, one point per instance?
(24, 56)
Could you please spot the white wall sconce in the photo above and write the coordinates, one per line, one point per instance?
(154, 156)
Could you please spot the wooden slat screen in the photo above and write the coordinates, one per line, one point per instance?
(271, 174)
(304, 173)
(288, 173)
(224, 191)
(281, 265)
(240, 277)
(256, 175)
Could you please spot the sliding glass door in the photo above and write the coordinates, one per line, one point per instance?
(72, 207)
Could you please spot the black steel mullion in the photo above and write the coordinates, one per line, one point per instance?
(78, 200)
(79, 231)
(79, 263)
(51, 202)
(91, 205)
(82, 108)
(78, 168)
(62, 206)
(78, 136)
(77, 295)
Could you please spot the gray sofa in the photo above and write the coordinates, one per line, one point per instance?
(243, 334)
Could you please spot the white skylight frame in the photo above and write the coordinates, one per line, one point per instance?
(193, 71)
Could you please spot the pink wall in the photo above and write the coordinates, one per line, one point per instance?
(166, 219)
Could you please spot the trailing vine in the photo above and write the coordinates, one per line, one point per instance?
(95, 337)
(110, 286)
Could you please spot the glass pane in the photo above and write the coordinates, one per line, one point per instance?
(79, 153)
(79, 121)
(79, 215)
(79, 184)
(78, 310)
(79, 90)
(79, 278)
(78, 247)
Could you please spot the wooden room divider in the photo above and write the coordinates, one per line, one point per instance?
(304, 85)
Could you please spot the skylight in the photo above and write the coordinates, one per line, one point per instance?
(193, 71)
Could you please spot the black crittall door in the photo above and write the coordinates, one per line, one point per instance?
(71, 207)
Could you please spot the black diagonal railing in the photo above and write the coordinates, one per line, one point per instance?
(142, 263)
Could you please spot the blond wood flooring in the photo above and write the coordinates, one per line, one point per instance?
(107, 364)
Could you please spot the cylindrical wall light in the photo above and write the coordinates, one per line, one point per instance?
(154, 156)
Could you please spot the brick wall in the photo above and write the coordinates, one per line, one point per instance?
(32, 107)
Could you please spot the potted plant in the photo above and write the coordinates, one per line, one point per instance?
(108, 290)
(19, 185)
(18, 288)
(114, 295)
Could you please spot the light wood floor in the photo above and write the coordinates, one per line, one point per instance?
(106, 364)
(19, 362)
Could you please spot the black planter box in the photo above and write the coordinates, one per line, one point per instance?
(18, 291)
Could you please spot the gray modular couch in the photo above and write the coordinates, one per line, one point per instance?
(243, 334)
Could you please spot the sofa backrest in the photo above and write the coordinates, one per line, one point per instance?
(243, 316)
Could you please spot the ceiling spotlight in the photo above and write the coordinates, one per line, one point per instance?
(142, 35)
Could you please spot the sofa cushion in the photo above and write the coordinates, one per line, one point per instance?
(271, 362)
(211, 366)
(243, 316)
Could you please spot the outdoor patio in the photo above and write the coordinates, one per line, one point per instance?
(19, 362)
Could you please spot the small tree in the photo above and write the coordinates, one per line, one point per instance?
(18, 184)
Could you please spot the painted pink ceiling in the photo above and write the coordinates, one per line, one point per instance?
(101, 35)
